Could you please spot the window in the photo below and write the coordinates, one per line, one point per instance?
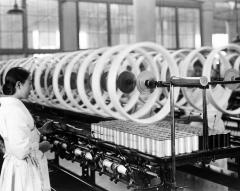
(121, 24)
(189, 28)
(43, 24)
(10, 56)
(188, 32)
(166, 27)
(11, 35)
(92, 25)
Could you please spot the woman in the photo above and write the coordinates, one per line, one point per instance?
(25, 165)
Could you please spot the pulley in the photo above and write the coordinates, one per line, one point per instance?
(126, 82)
(141, 82)
(231, 75)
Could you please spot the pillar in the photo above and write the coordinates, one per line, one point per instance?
(69, 25)
(144, 20)
(207, 23)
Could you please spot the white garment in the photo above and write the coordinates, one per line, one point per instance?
(214, 116)
(25, 166)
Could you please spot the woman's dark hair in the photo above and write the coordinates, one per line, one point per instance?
(14, 75)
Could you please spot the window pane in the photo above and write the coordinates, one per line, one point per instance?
(122, 24)
(43, 24)
(189, 28)
(10, 26)
(92, 25)
(166, 28)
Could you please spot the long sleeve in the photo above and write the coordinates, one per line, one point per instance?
(3, 129)
(21, 142)
(17, 141)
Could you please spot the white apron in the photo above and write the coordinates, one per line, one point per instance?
(25, 166)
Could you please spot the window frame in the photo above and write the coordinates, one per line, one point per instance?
(28, 51)
(176, 6)
(108, 13)
(25, 50)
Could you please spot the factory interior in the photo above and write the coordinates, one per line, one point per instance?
(140, 95)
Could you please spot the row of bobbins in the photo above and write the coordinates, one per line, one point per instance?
(157, 146)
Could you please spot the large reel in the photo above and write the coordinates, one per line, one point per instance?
(110, 81)
(138, 116)
(222, 91)
(84, 78)
(200, 55)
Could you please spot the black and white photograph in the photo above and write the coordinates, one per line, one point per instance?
(119, 95)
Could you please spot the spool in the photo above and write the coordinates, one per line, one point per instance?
(168, 150)
(118, 138)
(88, 156)
(126, 139)
(188, 144)
(148, 145)
(181, 148)
(77, 152)
(105, 137)
(115, 138)
(106, 163)
(122, 138)
(110, 135)
(160, 152)
(122, 170)
(134, 141)
(141, 144)
(195, 143)
(64, 146)
(130, 140)
(176, 146)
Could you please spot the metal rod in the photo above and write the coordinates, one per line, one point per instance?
(154, 84)
(173, 137)
(224, 82)
(205, 120)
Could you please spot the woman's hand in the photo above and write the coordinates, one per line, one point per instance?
(47, 128)
(44, 146)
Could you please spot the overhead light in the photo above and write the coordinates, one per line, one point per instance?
(16, 10)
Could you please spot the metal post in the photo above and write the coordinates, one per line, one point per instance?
(25, 28)
(205, 120)
(56, 159)
(109, 28)
(173, 186)
(236, 14)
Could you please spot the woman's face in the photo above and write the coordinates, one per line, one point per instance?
(24, 89)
